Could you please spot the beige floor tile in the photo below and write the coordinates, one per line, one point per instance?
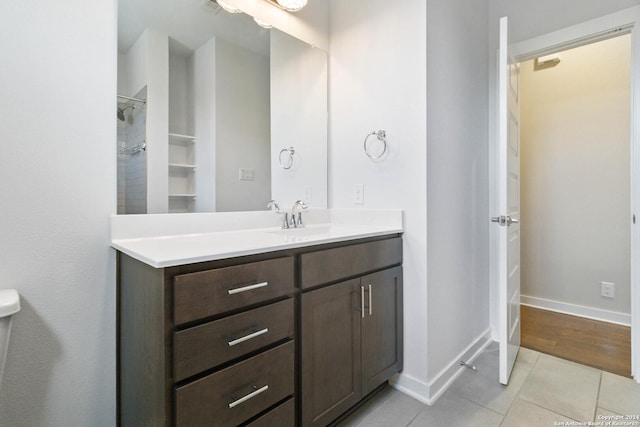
(451, 410)
(525, 414)
(563, 387)
(483, 387)
(527, 356)
(619, 394)
(387, 408)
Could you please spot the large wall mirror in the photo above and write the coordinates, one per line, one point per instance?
(215, 112)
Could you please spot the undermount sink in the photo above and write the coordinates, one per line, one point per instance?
(297, 234)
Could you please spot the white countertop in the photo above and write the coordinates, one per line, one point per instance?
(166, 240)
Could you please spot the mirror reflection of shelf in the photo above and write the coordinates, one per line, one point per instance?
(181, 169)
(176, 137)
(177, 167)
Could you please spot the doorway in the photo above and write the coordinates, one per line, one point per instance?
(602, 28)
(575, 111)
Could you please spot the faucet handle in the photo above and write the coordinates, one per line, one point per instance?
(273, 204)
(285, 221)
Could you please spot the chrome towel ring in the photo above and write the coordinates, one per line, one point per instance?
(286, 161)
(382, 137)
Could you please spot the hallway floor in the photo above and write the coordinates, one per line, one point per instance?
(543, 391)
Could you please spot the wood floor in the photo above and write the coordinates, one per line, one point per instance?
(598, 344)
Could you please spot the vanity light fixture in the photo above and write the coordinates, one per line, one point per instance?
(292, 5)
(262, 23)
(226, 6)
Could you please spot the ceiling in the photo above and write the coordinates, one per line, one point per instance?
(190, 23)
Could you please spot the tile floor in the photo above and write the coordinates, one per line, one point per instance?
(543, 391)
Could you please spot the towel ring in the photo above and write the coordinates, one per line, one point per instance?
(287, 161)
(382, 136)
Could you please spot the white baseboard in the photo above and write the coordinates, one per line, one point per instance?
(430, 392)
(577, 310)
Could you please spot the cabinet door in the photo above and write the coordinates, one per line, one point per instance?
(330, 341)
(381, 328)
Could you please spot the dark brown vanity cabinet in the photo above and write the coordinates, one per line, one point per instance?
(351, 331)
(295, 337)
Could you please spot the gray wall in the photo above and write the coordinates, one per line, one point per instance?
(457, 191)
(58, 174)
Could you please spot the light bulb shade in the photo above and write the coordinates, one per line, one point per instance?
(226, 6)
(262, 23)
(292, 5)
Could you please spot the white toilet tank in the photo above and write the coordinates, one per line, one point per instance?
(9, 305)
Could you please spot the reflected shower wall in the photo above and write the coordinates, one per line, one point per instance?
(132, 157)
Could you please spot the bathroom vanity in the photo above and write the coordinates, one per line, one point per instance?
(285, 328)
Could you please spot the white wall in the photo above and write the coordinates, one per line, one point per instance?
(242, 128)
(202, 94)
(299, 105)
(58, 174)
(457, 192)
(575, 176)
(157, 121)
(378, 81)
(526, 20)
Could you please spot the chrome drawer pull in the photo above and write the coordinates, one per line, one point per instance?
(248, 396)
(247, 288)
(248, 337)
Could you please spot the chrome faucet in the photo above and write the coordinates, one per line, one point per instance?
(285, 220)
(296, 215)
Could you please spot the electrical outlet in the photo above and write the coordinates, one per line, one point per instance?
(358, 194)
(608, 289)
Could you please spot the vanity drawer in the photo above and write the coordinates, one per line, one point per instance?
(207, 293)
(237, 393)
(335, 264)
(282, 416)
(209, 345)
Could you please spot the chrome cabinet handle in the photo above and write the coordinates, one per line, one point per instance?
(362, 301)
(248, 337)
(248, 396)
(247, 288)
(370, 299)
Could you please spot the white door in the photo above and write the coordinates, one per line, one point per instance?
(509, 206)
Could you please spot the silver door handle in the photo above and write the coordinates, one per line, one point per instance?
(248, 337)
(370, 309)
(504, 221)
(362, 301)
(249, 396)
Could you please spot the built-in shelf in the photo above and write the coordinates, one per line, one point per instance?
(182, 169)
(181, 166)
(187, 138)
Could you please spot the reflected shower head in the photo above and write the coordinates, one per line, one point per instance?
(122, 117)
